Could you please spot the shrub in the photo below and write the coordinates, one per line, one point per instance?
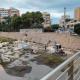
(47, 29)
(55, 27)
(4, 39)
(49, 59)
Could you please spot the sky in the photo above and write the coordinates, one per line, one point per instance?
(54, 7)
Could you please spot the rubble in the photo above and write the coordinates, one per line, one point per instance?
(11, 52)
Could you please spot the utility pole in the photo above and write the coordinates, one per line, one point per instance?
(64, 18)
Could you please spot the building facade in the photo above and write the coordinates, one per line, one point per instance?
(8, 12)
(4, 12)
(47, 20)
(77, 14)
(64, 20)
(13, 11)
(76, 19)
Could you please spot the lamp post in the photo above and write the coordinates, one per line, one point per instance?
(64, 18)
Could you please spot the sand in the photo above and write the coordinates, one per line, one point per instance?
(65, 39)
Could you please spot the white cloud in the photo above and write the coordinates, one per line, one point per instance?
(55, 13)
(54, 7)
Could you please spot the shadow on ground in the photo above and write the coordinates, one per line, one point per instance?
(18, 71)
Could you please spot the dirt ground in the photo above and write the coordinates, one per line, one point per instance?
(65, 39)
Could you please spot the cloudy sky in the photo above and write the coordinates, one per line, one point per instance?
(54, 7)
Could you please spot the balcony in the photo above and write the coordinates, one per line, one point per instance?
(68, 70)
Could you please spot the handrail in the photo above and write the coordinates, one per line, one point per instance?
(62, 66)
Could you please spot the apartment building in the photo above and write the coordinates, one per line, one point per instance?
(76, 19)
(4, 12)
(8, 12)
(13, 11)
(77, 13)
(63, 21)
(47, 20)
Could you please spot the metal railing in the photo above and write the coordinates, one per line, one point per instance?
(68, 70)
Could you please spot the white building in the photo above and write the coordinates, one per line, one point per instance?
(8, 12)
(4, 12)
(72, 23)
(13, 11)
(63, 21)
(47, 20)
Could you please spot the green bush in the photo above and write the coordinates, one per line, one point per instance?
(47, 29)
(50, 59)
(4, 39)
(55, 27)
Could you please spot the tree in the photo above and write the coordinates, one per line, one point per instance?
(67, 20)
(32, 20)
(47, 29)
(55, 27)
(27, 20)
(7, 23)
(16, 23)
(3, 26)
(51, 28)
(77, 28)
(37, 18)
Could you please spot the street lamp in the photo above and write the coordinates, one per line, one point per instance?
(64, 18)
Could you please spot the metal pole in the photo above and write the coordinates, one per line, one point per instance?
(64, 17)
(68, 62)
